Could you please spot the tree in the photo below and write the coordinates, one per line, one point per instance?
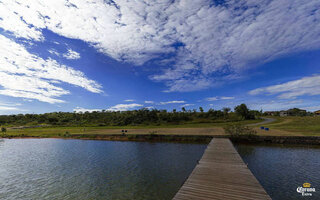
(3, 129)
(201, 109)
(243, 111)
(183, 109)
(226, 110)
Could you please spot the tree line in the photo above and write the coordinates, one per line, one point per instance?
(133, 117)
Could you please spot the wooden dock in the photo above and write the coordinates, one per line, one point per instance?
(221, 174)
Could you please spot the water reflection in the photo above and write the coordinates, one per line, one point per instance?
(83, 169)
(282, 168)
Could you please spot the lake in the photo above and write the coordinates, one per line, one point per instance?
(88, 169)
(282, 168)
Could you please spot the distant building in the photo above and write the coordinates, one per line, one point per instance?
(271, 113)
(317, 113)
(283, 113)
(293, 112)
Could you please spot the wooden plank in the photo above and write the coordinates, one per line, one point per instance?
(221, 174)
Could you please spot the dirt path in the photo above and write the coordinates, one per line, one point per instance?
(266, 121)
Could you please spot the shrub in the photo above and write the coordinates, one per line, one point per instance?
(3, 129)
(153, 132)
(67, 134)
(238, 129)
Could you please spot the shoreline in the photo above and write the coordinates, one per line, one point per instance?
(308, 140)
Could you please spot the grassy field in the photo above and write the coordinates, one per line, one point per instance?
(308, 126)
(181, 129)
(282, 126)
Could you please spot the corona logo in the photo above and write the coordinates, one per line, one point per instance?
(306, 185)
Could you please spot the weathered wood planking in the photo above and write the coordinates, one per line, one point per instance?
(221, 174)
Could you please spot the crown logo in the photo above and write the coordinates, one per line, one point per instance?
(306, 185)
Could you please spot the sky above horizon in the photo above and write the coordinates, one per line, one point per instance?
(76, 55)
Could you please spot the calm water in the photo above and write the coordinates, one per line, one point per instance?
(281, 169)
(87, 169)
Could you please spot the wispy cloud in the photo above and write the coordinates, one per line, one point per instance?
(6, 108)
(71, 55)
(54, 52)
(239, 34)
(149, 102)
(312, 108)
(188, 104)
(305, 86)
(29, 76)
(118, 107)
(171, 102)
(272, 105)
(149, 107)
(219, 98)
(226, 98)
(129, 100)
(9, 106)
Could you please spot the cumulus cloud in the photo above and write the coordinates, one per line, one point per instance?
(83, 110)
(29, 76)
(71, 55)
(218, 98)
(171, 102)
(211, 43)
(305, 86)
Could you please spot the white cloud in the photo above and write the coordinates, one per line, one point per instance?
(118, 107)
(28, 76)
(276, 105)
(188, 104)
(124, 107)
(217, 41)
(171, 102)
(27, 100)
(312, 108)
(9, 106)
(292, 89)
(149, 102)
(129, 100)
(54, 52)
(212, 98)
(226, 98)
(149, 107)
(71, 55)
(218, 98)
(83, 110)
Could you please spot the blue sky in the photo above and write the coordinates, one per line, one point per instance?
(118, 55)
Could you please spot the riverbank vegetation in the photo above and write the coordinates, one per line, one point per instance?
(144, 121)
(142, 117)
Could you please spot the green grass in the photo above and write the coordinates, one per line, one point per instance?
(309, 126)
(61, 131)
